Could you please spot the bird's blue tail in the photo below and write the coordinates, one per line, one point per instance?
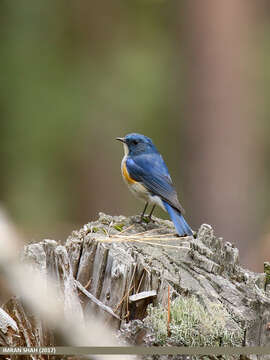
(180, 223)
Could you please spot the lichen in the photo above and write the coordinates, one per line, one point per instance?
(193, 324)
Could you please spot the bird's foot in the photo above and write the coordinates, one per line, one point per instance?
(144, 219)
(150, 219)
(147, 219)
(139, 219)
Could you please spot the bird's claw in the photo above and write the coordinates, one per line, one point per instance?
(147, 219)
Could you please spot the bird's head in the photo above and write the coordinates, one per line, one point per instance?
(135, 144)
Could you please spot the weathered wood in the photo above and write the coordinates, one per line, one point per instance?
(139, 302)
(28, 330)
(40, 291)
(126, 270)
(95, 300)
(7, 322)
(8, 328)
(143, 295)
(123, 264)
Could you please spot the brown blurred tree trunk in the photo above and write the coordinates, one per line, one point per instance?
(223, 179)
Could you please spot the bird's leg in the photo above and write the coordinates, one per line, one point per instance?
(144, 210)
(150, 215)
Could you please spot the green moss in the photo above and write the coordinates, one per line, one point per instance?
(118, 227)
(193, 325)
(95, 229)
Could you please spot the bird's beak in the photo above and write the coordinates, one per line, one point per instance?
(121, 139)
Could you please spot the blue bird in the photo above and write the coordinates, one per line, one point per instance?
(147, 176)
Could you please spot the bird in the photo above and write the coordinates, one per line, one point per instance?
(147, 176)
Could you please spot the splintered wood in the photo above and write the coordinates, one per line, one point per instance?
(115, 267)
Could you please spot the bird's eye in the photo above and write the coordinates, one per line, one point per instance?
(135, 142)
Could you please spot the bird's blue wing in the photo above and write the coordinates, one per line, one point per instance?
(152, 172)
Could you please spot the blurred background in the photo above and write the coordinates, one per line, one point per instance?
(193, 76)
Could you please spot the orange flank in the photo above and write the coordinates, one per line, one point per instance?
(126, 175)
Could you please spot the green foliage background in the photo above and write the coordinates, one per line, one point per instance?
(74, 76)
(72, 82)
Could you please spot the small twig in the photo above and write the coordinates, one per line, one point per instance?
(127, 312)
(109, 228)
(144, 232)
(123, 298)
(95, 300)
(129, 289)
(169, 313)
(126, 316)
(134, 239)
(167, 246)
(140, 282)
(87, 285)
(164, 235)
(128, 228)
(148, 272)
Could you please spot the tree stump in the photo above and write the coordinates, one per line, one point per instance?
(115, 267)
